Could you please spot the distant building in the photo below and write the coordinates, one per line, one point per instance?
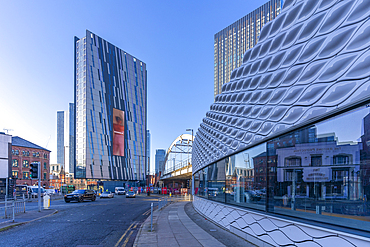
(25, 153)
(148, 149)
(69, 139)
(232, 42)
(160, 155)
(66, 138)
(111, 112)
(60, 137)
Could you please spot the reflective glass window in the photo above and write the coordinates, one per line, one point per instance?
(323, 173)
(246, 178)
(216, 181)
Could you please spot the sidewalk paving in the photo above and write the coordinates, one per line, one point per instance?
(26, 217)
(173, 227)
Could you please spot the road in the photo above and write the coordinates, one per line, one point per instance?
(105, 222)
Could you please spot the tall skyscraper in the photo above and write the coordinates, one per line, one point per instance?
(160, 155)
(60, 137)
(148, 148)
(69, 138)
(111, 110)
(231, 43)
(65, 138)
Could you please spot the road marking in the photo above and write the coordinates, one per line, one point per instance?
(136, 225)
(119, 241)
(147, 212)
(127, 239)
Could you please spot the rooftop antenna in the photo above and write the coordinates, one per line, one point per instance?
(8, 130)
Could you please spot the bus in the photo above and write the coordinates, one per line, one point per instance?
(66, 189)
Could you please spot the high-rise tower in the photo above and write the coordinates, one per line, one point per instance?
(232, 42)
(111, 109)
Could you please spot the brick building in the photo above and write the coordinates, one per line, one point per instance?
(23, 154)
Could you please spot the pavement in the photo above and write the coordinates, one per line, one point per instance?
(178, 224)
(23, 218)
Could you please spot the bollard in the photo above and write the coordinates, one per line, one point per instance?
(24, 204)
(151, 217)
(13, 209)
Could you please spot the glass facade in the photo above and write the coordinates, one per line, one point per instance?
(160, 155)
(60, 137)
(231, 43)
(108, 78)
(318, 172)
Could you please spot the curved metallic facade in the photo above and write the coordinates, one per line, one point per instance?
(313, 58)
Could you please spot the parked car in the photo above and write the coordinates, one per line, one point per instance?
(50, 191)
(80, 196)
(131, 194)
(107, 194)
(251, 195)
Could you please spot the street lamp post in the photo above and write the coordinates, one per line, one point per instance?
(192, 176)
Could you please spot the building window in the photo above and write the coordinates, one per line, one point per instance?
(45, 156)
(293, 175)
(26, 175)
(44, 165)
(45, 176)
(15, 174)
(295, 161)
(15, 163)
(316, 160)
(25, 163)
(341, 160)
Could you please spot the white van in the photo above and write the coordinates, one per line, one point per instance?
(119, 191)
(33, 191)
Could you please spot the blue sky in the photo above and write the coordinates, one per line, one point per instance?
(174, 38)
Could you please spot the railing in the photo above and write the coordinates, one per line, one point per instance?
(179, 165)
(162, 202)
(10, 208)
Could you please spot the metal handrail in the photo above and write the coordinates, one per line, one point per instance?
(11, 208)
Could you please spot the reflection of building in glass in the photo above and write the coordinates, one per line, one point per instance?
(231, 43)
(365, 155)
(310, 166)
(262, 165)
(108, 78)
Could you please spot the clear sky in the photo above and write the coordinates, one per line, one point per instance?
(174, 38)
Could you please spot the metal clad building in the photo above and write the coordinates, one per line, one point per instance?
(111, 109)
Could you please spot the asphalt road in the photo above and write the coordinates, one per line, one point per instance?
(105, 222)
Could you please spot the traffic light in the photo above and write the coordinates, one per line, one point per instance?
(34, 170)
